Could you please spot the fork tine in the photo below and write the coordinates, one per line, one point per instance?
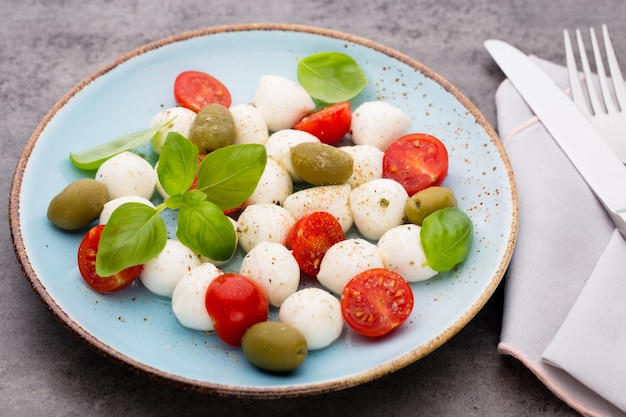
(601, 109)
(609, 104)
(596, 106)
(616, 73)
(574, 78)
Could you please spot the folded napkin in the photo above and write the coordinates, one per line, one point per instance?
(565, 289)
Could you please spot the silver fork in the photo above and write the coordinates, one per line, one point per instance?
(607, 110)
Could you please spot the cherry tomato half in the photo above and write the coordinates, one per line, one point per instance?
(311, 236)
(329, 124)
(416, 161)
(376, 301)
(235, 303)
(195, 89)
(87, 251)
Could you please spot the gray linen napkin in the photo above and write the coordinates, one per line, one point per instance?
(565, 289)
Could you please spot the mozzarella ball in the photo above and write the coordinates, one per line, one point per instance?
(110, 206)
(127, 174)
(263, 223)
(279, 145)
(377, 206)
(281, 101)
(346, 259)
(274, 186)
(188, 298)
(367, 163)
(401, 251)
(316, 313)
(161, 274)
(184, 118)
(330, 198)
(250, 127)
(378, 123)
(158, 185)
(273, 266)
(220, 263)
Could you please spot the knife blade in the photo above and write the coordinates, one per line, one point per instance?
(590, 154)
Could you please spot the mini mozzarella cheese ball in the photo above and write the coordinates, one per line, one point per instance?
(330, 198)
(280, 144)
(377, 206)
(274, 186)
(401, 251)
(158, 185)
(346, 259)
(378, 123)
(110, 206)
(281, 101)
(274, 267)
(183, 119)
(263, 223)
(316, 314)
(367, 163)
(204, 259)
(127, 174)
(188, 298)
(161, 274)
(250, 127)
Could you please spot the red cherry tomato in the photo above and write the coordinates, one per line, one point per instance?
(416, 161)
(194, 90)
(376, 301)
(329, 124)
(235, 303)
(311, 236)
(87, 251)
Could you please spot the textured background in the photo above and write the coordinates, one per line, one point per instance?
(48, 46)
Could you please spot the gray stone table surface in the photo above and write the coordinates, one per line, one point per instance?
(47, 46)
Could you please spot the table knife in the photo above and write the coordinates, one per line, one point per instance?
(594, 159)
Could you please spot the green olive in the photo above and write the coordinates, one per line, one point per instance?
(78, 204)
(321, 164)
(274, 346)
(213, 128)
(427, 201)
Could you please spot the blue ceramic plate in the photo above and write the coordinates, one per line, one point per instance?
(139, 329)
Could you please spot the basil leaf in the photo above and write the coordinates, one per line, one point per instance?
(92, 158)
(174, 202)
(331, 77)
(203, 228)
(178, 164)
(229, 175)
(446, 237)
(189, 197)
(134, 234)
(192, 197)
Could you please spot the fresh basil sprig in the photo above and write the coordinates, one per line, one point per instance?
(446, 237)
(92, 158)
(331, 77)
(136, 233)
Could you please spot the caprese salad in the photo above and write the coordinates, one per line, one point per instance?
(298, 181)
